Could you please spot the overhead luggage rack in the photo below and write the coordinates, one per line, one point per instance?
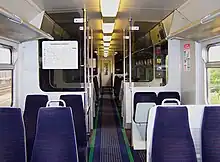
(14, 29)
(200, 30)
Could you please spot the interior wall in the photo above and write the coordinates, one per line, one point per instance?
(200, 74)
(188, 78)
(28, 78)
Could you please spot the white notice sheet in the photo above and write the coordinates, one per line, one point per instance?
(60, 54)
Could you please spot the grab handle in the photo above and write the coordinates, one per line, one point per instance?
(171, 99)
(51, 101)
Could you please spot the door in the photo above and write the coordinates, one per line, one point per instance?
(106, 73)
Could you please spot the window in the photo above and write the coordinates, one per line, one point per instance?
(6, 71)
(151, 64)
(213, 74)
(60, 80)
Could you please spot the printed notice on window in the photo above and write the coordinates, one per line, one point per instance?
(60, 55)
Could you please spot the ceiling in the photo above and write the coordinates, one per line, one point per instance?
(144, 13)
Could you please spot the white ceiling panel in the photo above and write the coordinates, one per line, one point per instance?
(62, 5)
(150, 4)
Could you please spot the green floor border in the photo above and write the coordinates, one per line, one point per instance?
(92, 145)
(131, 158)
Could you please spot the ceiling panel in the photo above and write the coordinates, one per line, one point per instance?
(140, 10)
(150, 4)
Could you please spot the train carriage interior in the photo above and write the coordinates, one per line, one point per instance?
(109, 81)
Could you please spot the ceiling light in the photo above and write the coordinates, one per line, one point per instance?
(106, 49)
(210, 17)
(106, 44)
(109, 8)
(108, 27)
(107, 38)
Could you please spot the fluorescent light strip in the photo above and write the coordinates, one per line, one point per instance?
(108, 27)
(107, 38)
(106, 44)
(109, 8)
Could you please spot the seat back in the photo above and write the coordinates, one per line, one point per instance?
(146, 97)
(12, 140)
(211, 134)
(117, 85)
(32, 105)
(76, 104)
(172, 140)
(167, 95)
(96, 86)
(55, 136)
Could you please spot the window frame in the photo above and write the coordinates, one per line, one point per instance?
(210, 65)
(9, 67)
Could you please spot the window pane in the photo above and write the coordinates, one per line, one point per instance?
(214, 85)
(5, 56)
(214, 53)
(5, 87)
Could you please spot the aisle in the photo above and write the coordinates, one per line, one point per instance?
(109, 142)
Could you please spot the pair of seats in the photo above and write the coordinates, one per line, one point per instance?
(54, 141)
(151, 99)
(35, 102)
(170, 137)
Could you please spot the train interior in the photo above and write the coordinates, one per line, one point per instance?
(109, 81)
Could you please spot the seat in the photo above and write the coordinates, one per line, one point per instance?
(167, 95)
(172, 140)
(76, 104)
(12, 138)
(143, 102)
(55, 136)
(211, 134)
(146, 97)
(32, 105)
(96, 86)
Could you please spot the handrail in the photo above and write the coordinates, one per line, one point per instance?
(171, 99)
(50, 101)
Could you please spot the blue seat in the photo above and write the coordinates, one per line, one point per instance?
(140, 97)
(32, 105)
(172, 140)
(211, 134)
(167, 95)
(12, 141)
(55, 136)
(76, 103)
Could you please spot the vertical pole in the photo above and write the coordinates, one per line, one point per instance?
(84, 27)
(85, 64)
(130, 68)
(92, 56)
(130, 51)
(88, 71)
(92, 84)
(124, 53)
